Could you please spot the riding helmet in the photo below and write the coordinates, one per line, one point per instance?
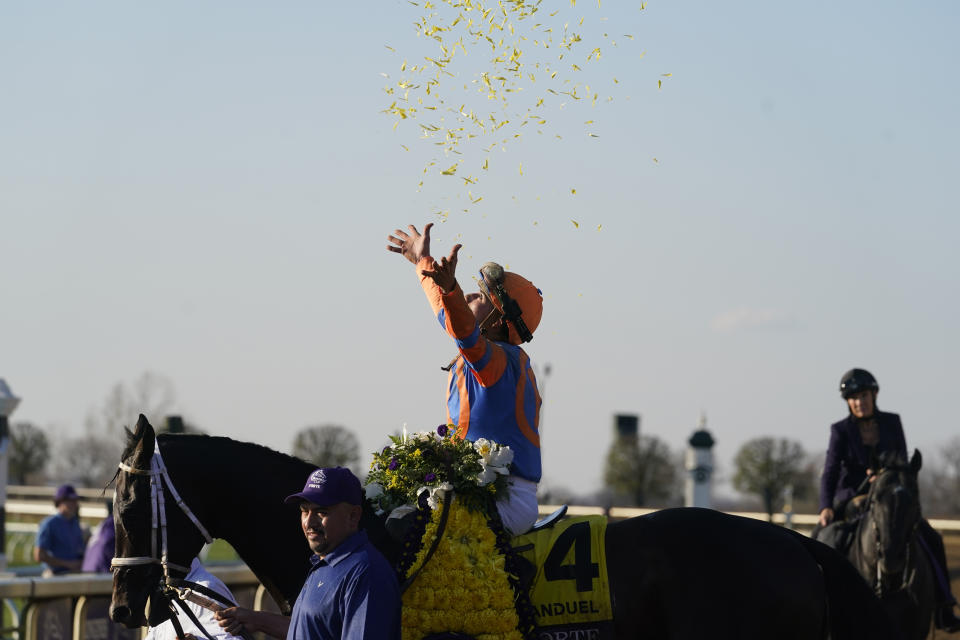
(855, 381)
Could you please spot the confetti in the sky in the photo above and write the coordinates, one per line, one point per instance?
(521, 63)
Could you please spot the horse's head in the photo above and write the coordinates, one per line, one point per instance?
(894, 508)
(141, 538)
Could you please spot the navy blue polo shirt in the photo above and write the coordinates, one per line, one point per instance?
(352, 593)
(62, 538)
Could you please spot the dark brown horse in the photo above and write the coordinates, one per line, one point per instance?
(888, 551)
(677, 573)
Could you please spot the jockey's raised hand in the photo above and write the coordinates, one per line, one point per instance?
(413, 246)
(444, 274)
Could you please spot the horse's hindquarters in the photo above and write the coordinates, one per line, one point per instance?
(697, 573)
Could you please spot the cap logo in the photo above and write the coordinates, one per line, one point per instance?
(317, 479)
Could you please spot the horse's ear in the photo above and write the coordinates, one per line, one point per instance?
(145, 438)
(916, 461)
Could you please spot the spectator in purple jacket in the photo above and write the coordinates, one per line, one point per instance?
(856, 443)
(100, 547)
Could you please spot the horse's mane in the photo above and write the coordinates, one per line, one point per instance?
(202, 441)
(892, 460)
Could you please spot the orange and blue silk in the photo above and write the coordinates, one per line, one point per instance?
(491, 391)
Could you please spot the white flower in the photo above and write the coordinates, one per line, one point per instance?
(484, 448)
(437, 494)
(501, 457)
(486, 476)
(493, 454)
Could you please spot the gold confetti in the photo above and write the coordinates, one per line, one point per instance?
(575, 223)
(453, 28)
(599, 226)
(573, 191)
(655, 161)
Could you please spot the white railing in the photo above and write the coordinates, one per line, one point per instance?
(77, 606)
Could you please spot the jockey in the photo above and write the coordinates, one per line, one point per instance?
(856, 443)
(491, 390)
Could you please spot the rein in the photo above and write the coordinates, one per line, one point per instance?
(176, 590)
(441, 527)
(906, 574)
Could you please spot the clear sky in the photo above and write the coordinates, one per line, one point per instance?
(204, 190)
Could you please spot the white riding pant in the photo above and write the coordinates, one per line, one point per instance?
(519, 510)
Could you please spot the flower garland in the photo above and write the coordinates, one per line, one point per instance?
(470, 585)
(463, 588)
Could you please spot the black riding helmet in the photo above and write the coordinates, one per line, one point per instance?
(855, 381)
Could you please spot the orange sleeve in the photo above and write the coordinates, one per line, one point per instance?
(485, 358)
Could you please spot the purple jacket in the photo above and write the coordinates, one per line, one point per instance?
(100, 548)
(847, 462)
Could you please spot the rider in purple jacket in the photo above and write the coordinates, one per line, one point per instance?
(856, 443)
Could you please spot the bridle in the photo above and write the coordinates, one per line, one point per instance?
(158, 476)
(906, 574)
(175, 589)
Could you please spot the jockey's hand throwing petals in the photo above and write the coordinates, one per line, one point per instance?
(445, 273)
(413, 245)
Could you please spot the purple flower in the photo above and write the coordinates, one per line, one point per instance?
(430, 477)
(393, 464)
(442, 430)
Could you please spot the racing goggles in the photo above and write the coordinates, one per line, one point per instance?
(491, 283)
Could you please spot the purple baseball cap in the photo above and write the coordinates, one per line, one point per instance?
(65, 492)
(330, 486)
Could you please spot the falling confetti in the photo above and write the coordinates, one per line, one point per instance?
(524, 67)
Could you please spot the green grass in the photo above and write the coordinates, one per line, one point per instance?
(220, 552)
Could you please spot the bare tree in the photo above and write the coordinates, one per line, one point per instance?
(327, 446)
(29, 452)
(642, 469)
(940, 482)
(765, 466)
(91, 459)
